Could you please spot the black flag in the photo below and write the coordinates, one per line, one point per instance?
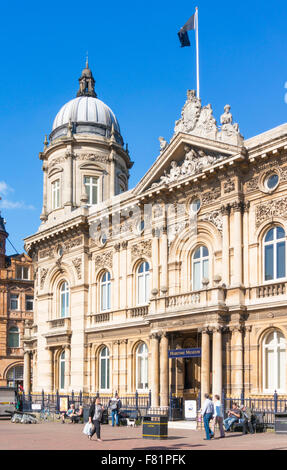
(182, 34)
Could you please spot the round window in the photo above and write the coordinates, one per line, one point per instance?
(103, 239)
(271, 181)
(195, 205)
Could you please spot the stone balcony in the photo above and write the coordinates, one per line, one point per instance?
(276, 291)
(60, 323)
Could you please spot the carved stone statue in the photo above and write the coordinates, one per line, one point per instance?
(229, 130)
(163, 143)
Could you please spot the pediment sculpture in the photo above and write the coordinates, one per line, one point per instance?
(195, 119)
(195, 161)
(229, 129)
(198, 120)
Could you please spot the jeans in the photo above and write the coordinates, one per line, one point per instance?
(219, 420)
(206, 418)
(115, 414)
(229, 421)
(96, 428)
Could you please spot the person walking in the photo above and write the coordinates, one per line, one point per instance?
(115, 405)
(95, 417)
(218, 416)
(207, 413)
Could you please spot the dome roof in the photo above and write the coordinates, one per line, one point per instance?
(86, 109)
(86, 113)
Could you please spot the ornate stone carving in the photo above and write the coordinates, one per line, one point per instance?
(77, 262)
(211, 196)
(228, 186)
(215, 218)
(104, 260)
(270, 209)
(92, 157)
(73, 242)
(47, 253)
(229, 130)
(195, 161)
(43, 274)
(195, 119)
(142, 249)
(163, 144)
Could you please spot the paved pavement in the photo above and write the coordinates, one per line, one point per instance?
(57, 436)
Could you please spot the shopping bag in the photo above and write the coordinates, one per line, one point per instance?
(88, 429)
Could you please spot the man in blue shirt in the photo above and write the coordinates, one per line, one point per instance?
(207, 413)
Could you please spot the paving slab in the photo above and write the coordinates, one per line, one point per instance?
(57, 436)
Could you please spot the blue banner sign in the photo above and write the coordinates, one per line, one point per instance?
(189, 352)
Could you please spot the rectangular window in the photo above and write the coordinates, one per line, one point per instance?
(22, 272)
(14, 302)
(269, 263)
(56, 194)
(29, 302)
(91, 186)
(280, 260)
(196, 276)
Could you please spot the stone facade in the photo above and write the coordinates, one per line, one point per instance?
(16, 313)
(229, 316)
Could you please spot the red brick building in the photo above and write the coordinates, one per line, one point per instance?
(16, 308)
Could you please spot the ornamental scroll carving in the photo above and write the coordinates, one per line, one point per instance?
(270, 209)
(104, 260)
(73, 242)
(77, 262)
(43, 274)
(91, 157)
(141, 249)
(215, 218)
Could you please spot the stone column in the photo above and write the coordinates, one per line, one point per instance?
(237, 243)
(69, 179)
(205, 363)
(27, 372)
(236, 360)
(112, 174)
(163, 259)
(225, 210)
(43, 216)
(155, 369)
(217, 361)
(164, 370)
(155, 267)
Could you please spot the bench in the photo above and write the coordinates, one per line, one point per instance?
(257, 422)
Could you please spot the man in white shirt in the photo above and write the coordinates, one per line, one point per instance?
(207, 413)
(218, 415)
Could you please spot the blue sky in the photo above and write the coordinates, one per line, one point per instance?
(140, 71)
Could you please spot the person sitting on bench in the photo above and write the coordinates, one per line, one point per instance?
(69, 414)
(233, 417)
(78, 415)
(246, 420)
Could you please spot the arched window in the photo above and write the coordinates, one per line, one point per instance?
(64, 299)
(105, 289)
(274, 254)
(13, 337)
(62, 371)
(105, 369)
(200, 267)
(15, 376)
(143, 276)
(274, 362)
(142, 367)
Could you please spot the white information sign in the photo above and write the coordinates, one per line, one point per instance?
(190, 409)
(36, 406)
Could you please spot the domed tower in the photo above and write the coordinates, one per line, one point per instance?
(3, 236)
(85, 162)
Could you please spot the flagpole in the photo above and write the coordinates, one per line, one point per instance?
(197, 55)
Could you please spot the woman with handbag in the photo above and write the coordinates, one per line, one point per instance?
(95, 417)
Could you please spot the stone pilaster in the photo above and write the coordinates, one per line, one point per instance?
(236, 360)
(237, 244)
(225, 210)
(27, 372)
